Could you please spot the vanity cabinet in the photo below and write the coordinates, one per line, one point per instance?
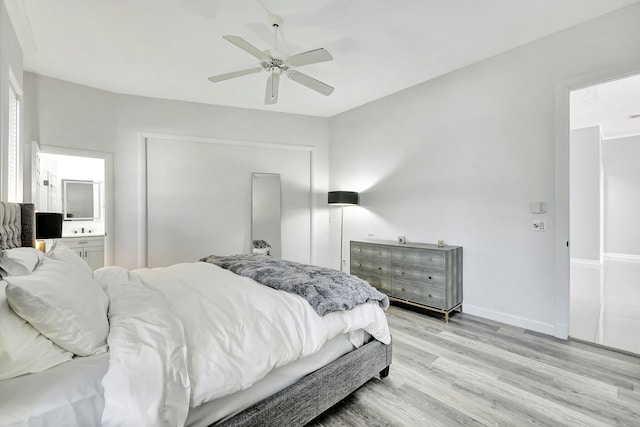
(420, 274)
(89, 248)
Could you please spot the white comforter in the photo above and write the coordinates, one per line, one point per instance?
(235, 331)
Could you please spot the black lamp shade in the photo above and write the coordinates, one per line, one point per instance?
(48, 225)
(344, 198)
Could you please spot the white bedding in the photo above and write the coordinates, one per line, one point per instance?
(236, 331)
(69, 394)
(188, 334)
(72, 394)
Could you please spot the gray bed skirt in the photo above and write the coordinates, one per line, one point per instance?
(301, 402)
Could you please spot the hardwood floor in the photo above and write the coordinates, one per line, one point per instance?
(476, 372)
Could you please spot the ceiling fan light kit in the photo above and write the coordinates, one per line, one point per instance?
(276, 62)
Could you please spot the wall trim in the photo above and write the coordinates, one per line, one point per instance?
(143, 138)
(521, 322)
(622, 257)
(623, 136)
(586, 262)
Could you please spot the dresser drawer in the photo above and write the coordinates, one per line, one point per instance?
(370, 251)
(383, 284)
(371, 266)
(418, 257)
(432, 296)
(422, 275)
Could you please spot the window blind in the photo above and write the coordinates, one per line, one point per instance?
(13, 152)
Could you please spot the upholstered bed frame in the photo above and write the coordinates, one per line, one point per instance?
(295, 405)
(17, 225)
(301, 402)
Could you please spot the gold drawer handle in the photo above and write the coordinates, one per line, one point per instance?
(359, 250)
(429, 259)
(359, 265)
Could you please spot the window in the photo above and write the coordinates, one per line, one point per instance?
(13, 148)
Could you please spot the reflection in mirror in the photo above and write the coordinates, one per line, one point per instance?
(80, 200)
(265, 213)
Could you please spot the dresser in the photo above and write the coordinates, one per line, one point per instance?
(419, 274)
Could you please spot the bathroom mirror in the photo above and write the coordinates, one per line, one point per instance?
(80, 200)
(265, 214)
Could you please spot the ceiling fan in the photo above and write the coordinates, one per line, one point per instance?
(276, 63)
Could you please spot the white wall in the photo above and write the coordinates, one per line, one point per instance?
(585, 190)
(621, 160)
(199, 199)
(10, 70)
(65, 114)
(460, 157)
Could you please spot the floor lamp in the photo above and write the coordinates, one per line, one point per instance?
(342, 199)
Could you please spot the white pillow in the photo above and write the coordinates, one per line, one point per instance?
(66, 254)
(20, 261)
(23, 350)
(64, 304)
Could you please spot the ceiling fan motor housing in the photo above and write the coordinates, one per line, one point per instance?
(277, 59)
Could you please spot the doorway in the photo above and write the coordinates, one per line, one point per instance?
(62, 175)
(604, 188)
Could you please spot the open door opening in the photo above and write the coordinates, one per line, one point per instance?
(604, 185)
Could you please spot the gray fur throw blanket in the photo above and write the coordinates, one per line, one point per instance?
(324, 288)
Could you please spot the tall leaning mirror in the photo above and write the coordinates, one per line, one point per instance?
(265, 214)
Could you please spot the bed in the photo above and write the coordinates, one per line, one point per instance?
(290, 384)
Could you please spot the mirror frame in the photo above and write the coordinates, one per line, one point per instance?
(277, 248)
(96, 201)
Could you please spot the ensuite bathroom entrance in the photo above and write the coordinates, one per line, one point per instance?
(76, 184)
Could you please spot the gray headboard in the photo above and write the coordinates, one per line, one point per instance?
(17, 225)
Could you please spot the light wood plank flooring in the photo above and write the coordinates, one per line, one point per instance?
(475, 372)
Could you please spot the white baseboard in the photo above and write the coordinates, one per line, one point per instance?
(622, 257)
(521, 322)
(586, 262)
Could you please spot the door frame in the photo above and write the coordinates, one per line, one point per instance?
(562, 135)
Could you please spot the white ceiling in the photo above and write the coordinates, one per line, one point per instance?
(168, 48)
(609, 105)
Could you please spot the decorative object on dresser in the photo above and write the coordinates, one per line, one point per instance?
(419, 274)
(342, 199)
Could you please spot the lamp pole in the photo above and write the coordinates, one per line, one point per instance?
(341, 235)
(342, 199)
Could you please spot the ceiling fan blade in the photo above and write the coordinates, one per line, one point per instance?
(271, 94)
(309, 57)
(227, 76)
(310, 82)
(248, 47)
